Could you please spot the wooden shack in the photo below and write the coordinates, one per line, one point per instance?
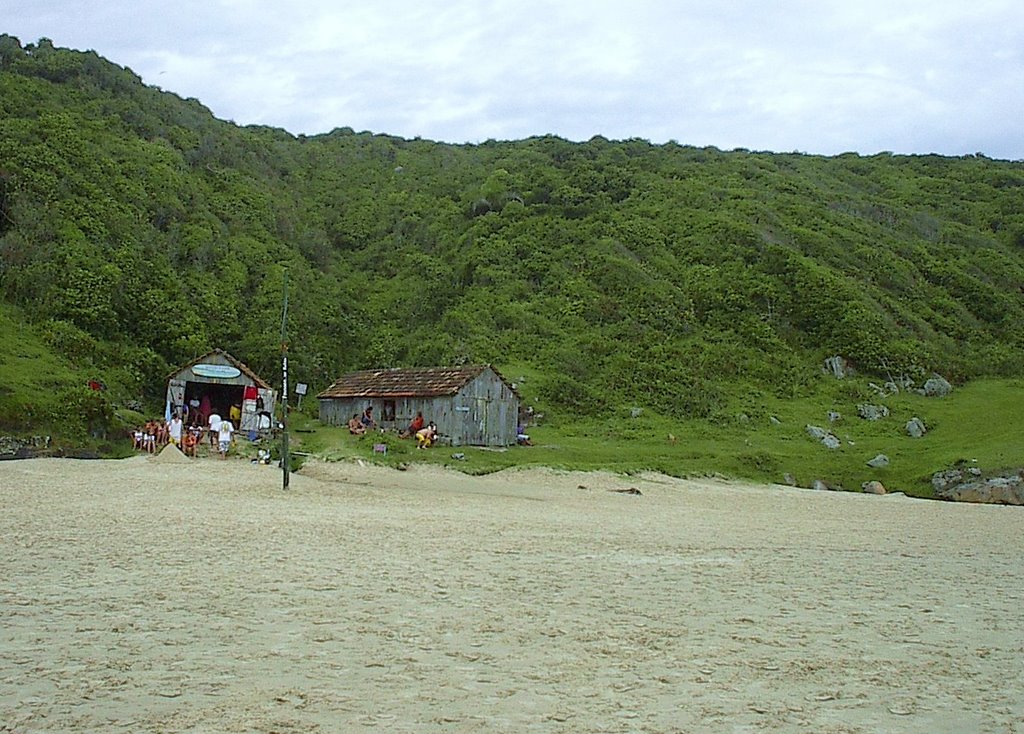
(472, 405)
(215, 382)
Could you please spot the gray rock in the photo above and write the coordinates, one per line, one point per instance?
(789, 479)
(774, 421)
(936, 387)
(873, 487)
(916, 428)
(636, 412)
(944, 480)
(872, 412)
(834, 416)
(879, 462)
(819, 433)
(997, 490)
(821, 484)
(837, 367)
(969, 485)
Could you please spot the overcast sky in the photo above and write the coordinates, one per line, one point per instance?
(818, 76)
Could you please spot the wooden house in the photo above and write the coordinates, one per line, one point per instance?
(217, 381)
(471, 405)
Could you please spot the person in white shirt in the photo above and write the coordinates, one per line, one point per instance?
(174, 430)
(214, 425)
(225, 433)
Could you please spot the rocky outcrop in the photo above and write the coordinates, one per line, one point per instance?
(23, 448)
(971, 485)
(872, 412)
(837, 367)
(873, 487)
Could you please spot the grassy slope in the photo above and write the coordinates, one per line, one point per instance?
(975, 425)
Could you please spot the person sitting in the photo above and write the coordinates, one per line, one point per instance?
(189, 440)
(355, 426)
(425, 437)
(522, 438)
(367, 419)
(414, 426)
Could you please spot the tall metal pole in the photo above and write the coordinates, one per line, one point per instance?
(284, 386)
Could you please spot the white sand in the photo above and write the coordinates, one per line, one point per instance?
(199, 597)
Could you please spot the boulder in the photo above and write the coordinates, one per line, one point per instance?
(816, 432)
(837, 367)
(821, 484)
(916, 428)
(879, 462)
(873, 487)
(774, 421)
(872, 412)
(789, 479)
(936, 387)
(819, 433)
(834, 416)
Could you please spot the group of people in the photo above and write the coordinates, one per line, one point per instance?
(158, 433)
(426, 435)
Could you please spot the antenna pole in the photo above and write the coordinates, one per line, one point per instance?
(284, 386)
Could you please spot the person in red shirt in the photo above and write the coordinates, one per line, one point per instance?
(415, 425)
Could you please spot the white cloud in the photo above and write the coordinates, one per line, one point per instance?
(827, 76)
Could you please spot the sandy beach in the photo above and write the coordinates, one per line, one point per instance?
(197, 596)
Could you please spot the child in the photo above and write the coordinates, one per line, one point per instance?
(189, 441)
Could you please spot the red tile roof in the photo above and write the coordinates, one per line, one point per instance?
(404, 383)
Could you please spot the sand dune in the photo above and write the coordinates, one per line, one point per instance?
(197, 596)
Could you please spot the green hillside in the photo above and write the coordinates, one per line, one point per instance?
(137, 231)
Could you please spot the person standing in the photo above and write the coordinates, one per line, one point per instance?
(214, 425)
(174, 430)
(225, 434)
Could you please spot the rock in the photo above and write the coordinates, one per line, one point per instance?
(819, 433)
(943, 480)
(789, 479)
(873, 487)
(879, 462)
(774, 421)
(821, 484)
(837, 367)
(936, 387)
(872, 412)
(966, 486)
(834, 416)
(916, 428)
(815, 431)
(635, 412)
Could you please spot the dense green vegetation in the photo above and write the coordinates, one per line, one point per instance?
(137, 231)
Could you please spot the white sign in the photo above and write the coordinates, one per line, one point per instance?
(300, 388)
(223, 371)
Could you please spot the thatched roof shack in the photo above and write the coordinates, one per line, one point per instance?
(472, 405)
(218, 381)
